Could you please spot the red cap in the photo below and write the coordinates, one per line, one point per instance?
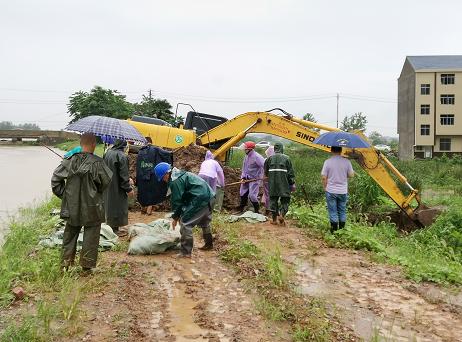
(249, 145)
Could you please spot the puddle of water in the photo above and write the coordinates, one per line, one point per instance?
(310, 280)
(182, 311)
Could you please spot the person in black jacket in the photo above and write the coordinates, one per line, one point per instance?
(150, 190)
(116, 196)
(80, 181)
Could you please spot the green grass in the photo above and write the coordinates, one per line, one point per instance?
(69, 145)
(430, 254)
(263, 269)
(54, 309)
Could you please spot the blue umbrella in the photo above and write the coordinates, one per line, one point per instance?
(341, 139)
(107, 128)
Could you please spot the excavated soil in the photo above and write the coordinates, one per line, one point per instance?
(189, 159)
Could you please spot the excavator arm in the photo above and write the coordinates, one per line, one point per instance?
(302, 131)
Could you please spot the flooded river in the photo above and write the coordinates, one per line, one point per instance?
(25, 173)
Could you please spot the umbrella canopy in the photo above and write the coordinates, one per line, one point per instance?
(107, 128)
(341, 139)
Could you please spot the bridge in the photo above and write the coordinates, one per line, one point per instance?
(41, 135)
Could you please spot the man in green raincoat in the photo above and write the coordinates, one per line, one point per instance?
(281, 178)
(192, 203)
(80, 181)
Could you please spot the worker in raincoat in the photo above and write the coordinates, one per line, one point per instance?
(212, 172)
(266, 199)
(252, 169)
(281, 179)
(150, 191)
(80, 181)
(191, 201)
(116, 196)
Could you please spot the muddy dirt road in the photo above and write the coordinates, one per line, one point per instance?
(161, 298)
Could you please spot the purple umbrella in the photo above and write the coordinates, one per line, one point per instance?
(107, 128)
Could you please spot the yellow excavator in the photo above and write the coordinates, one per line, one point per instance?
(228, 133)
(301, 131)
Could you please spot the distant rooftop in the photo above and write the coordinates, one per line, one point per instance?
(435, 62)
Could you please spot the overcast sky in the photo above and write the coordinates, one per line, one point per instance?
(223, 57)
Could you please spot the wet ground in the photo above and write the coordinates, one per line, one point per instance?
(162, 298)
(373, 299)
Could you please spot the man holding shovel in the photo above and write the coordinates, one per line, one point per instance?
(252, 168)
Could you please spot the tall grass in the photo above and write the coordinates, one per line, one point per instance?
(430, 254)
(57, 296)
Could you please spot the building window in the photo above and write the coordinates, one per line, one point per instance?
(445, 144)
(447, 119)
(448, 78)
(425, 109)
(424, 129)
(425, 89)
(448, 99)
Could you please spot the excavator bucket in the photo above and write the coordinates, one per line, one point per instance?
(425, 216)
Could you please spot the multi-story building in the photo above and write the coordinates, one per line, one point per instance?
(430, 106)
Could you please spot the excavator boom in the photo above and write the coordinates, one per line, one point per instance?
(303, 132)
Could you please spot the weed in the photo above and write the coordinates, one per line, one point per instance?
(23, 332)
(275, 270)
(270, 310)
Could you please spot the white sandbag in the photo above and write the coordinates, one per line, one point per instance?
(153, 238)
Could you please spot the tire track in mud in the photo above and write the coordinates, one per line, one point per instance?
(163, 298)
(373, 299)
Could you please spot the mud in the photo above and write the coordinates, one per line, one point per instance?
(189, 159)
(374, 300)
(162, 298)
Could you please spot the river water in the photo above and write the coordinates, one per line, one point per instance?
(25, 173)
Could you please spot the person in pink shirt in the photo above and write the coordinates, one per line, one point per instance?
(335, 173)
(212, 172)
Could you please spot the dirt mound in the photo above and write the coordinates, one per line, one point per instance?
(189, 159)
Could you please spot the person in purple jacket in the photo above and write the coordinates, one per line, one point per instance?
(212, 172)
(335, 173)
(252, 168)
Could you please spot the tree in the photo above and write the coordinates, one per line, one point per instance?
(377, 139)
(310, 117)
(357, 121)
(10, 125)
(99, 101)
(155, 108)
(7, 125)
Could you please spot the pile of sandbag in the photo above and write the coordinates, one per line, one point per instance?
(152, 238)
(107, 238)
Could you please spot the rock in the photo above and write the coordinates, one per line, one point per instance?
(18, 293)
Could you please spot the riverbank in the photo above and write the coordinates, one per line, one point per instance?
(257, 285)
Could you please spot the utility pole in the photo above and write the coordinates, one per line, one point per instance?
(150, 95)
(337, 108)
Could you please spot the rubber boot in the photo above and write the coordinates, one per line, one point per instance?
(274, 217)
(341, 225)
(281, 220)
(208, 245)
(242, 205)
(333, 227)
(256, 207)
